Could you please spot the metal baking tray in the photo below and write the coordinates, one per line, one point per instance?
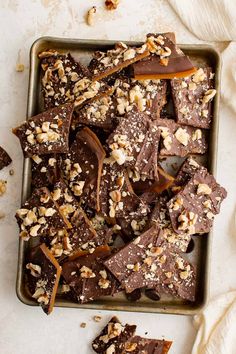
(200, 256)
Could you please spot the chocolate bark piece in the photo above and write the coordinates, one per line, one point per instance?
(98, 113)
(186, 171)
(82, 237)
(160, 217)
(145, 96)
(46, 133)
(166, 60)
(87, 277)
(116, 194)
(193, 97)
(113, 337)
(5, 159)
(40, 216)
(135, 295)
(134, 143)
(181, 140)
(43, 277)
(66, 80)
(193, 209)
(82, 167)
(147, 262)
(139, 345)
(143, 185)
(45, 171)
(115, 59)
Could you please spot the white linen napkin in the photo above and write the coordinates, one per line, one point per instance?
(214, 21)
(217, 326)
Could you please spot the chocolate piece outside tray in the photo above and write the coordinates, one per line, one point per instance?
(65, 80)
(87, 277)
(147, 262)
(166, 60)
(113, 337)
(82, 167)
(138, 345)
(43, 277)
(5, 159)
(192, 97)
(47, 132)
(134, 144)
(40, 216)
(194, 207)
(179, 140)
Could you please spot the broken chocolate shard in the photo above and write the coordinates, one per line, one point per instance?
(193, 209)
(66, 80)
(134, 144)
(40, 216)
(177, 242)
(5, 159)
(115, 59)
(45, 171)
(148, 262)
(43, 277)
(181, 140)
(165, 62)
(113, 337)
(87, 277)
(139, 345)
(192, 97)
(82, 167)
(46, 133)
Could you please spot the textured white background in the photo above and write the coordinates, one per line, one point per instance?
(26, 330)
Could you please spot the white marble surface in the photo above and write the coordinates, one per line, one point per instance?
(26, 330)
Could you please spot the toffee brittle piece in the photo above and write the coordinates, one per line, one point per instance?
(147, 262)
(44, 274)
(193, 209)
(143, 185)
(160, 217)
(145, 95)
(115, 59)
(98, 113)
(87, 277)
(134, 144)
(40, 216)
(113, 337)
(116, 193)
(166, 60)
(139, 345)
(44, 170)
(83, 165)
(82, 236)
(181, 140)
(5, 159)
(46, 133)
(188, 168)
(193, 97)
(65, 80)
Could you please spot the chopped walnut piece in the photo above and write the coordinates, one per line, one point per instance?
(90, 16)
(3, 187)
(182, 136)
(203, 189)
(35, 269)
(20, 67)
(86, 272)
(112, 4)
(208, 96)
(97, 318)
